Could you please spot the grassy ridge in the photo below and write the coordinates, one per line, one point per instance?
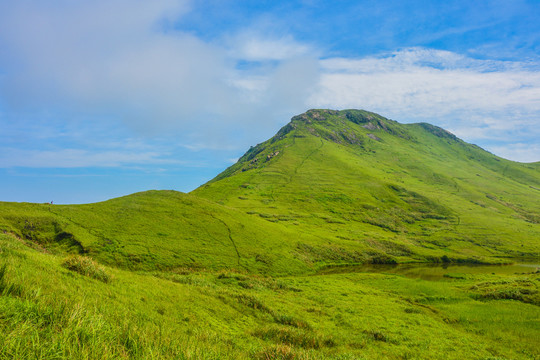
(408, 191)
(52, 312)
(157, 230)
(245, 266)
(329, 188)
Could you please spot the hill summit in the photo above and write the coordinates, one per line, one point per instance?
(359, 180)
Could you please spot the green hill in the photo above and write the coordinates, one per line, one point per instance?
(331, 187)
(360, 181)
(50, 308)
(157, 230)
(257, 263)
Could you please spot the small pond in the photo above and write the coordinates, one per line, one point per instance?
(436, 272)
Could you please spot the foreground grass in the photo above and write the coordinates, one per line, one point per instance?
(48, 311)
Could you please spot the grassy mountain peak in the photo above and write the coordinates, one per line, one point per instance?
(346, 127)
(259, 263)
(331, 187)
(411, 191)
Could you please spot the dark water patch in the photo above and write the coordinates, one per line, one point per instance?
(435, 272)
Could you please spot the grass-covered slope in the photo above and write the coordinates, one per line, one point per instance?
(331, 187)
(167, 275)
(157, 230)
(365, 183)
(50, 309)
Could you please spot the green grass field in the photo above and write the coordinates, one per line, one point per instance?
(52, 311)
(243, 267)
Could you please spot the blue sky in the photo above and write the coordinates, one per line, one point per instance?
(104, 98)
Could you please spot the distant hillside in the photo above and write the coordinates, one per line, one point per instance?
(156, 230)
(331, 187)
(362, 181)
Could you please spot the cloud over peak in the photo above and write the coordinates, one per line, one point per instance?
(478, 99)
(128, 61)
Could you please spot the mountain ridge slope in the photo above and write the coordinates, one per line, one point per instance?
(330, 188)
(402, 176)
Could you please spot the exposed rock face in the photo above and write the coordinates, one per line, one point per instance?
(270, 156)
(439, 132)
(370, 126)
(371, 136)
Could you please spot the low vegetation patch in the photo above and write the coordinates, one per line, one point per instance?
(382, 259)
(518, 289)
(377, 335)
(295, 337)
(285, 319)
(282, 352)
(252, 302)
(87, 267)
(7, 288)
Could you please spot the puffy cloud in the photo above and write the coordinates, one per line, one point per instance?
(475, 99)
(427, 83)
(519, 151)
(122, 59)
(251, 46)
(104, 60)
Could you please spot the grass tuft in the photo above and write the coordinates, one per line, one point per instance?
(295, 337)
(87, 267)
(524, 290)
(7, 288)
(289, 320)
(275, 352)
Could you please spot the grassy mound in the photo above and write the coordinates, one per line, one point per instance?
(87, 267)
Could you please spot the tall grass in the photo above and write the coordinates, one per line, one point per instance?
(86, 266)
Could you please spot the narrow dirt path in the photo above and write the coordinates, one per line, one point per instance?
(230, 238)
(295, 172)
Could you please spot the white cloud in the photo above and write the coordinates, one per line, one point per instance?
(114, 58)
(473, 98)
(517, 151)
(77, 158)
(251, 46)
(428, 83)
(427, 92)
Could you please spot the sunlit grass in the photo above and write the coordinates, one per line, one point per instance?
(192, 314)
(260, 263)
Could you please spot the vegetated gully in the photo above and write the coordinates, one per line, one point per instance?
(437, 272)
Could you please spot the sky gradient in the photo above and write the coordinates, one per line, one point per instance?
(104, 98)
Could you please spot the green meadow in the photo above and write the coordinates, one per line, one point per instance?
(51, 310)
(269, 260)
